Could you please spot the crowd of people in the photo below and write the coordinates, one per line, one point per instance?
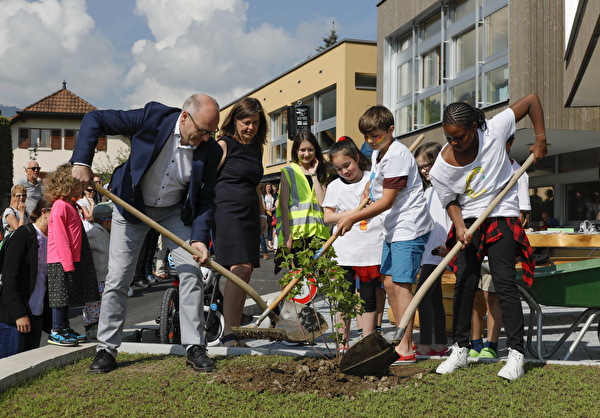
(202, 181)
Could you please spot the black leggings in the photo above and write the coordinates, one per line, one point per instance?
(366, 291)
(432, 315)
(501, 256)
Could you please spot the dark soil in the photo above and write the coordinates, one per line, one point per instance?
(318, 376)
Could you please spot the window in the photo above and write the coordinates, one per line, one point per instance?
(465, 50)
(458, 52)
(365, 81)
(278, 145)
(323, 109)
(583, 201)
(40, 138)
(432, 75)
(70, 138)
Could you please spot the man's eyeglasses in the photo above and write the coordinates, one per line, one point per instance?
(34, 168)
(201, 131)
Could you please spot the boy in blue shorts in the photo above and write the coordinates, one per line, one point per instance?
(396, 191)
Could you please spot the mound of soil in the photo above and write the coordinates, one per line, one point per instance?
(311, 375)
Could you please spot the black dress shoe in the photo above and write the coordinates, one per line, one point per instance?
(104, 362)
(199, 360)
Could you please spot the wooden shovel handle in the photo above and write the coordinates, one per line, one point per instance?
(410, 310)
(414, 145)
(161, 229)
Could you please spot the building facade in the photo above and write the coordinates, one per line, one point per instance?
(47, 130)
(337, 85)
(491, 53)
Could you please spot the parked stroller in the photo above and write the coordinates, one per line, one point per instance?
(168, 320)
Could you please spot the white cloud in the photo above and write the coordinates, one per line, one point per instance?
(207, 46)
(195, 46)
(44, 42)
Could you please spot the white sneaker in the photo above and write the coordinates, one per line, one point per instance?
(130, 292)
(457, 359)
(513, 369)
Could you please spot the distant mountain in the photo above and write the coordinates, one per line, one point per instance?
(8, 111)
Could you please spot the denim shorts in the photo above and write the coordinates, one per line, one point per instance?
(402, 259)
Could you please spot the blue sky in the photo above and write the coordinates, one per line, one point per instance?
(123, 53)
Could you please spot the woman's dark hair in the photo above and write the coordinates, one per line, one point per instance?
(430, 151)
(39, 208)
(348, 148)
(306, 135)
(461, 113)
(245, 108)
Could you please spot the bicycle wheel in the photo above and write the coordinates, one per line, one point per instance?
(169, 318)
(214, 329)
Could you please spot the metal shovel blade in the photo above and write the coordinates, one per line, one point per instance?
(371, 356)
(296, 323)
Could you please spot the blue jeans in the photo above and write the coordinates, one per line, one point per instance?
(13, 342)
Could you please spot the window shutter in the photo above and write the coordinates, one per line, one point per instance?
(69, 139)
(55, 139)
(101, 143)
(23, 138)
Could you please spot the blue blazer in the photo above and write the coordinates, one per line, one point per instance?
(149, 129)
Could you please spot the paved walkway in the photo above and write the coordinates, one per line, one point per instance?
(15, 369)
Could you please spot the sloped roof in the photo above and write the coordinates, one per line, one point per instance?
(61, 102)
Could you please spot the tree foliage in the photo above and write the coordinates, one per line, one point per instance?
(6, 161)
(329, 40)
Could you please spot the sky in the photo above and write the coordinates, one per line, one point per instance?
(121, 54)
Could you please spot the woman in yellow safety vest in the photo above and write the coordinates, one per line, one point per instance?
(302, 190)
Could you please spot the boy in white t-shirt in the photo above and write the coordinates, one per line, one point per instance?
(397, 193)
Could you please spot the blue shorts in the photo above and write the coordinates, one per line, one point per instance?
(402, 259)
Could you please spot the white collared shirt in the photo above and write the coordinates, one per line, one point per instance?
(166, 181)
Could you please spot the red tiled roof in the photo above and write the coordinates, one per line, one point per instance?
(61, 101)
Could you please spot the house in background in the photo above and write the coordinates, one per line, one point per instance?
(490, 53)
(337, 84)
(47, 132)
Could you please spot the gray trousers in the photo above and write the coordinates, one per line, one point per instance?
(126, 240)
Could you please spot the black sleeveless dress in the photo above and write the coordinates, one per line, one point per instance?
(236, 236)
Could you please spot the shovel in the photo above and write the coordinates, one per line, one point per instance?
(291, 328)
(373, 353)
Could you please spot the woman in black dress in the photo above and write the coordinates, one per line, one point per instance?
(240, 216)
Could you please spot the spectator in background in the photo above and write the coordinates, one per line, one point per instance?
(99, 239)
(32, 183)
(16, 214)
(71, 273)
(24, 285)
(548, 221)
(97, 196)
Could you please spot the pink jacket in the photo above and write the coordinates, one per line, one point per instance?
(64, 235)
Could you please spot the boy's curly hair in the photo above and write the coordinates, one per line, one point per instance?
(59, 183)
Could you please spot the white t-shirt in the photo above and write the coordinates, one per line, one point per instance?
(442, 224)
(475, 185)
(408, 217)
(522, 188)
(361, 246)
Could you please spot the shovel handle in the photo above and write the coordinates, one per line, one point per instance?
(416, 143)
(164, 231)
(410, 310)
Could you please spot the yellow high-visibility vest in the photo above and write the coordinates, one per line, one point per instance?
(306, 215)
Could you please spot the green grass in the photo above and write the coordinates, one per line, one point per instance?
(147, 385)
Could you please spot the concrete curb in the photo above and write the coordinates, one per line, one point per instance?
(14, 370)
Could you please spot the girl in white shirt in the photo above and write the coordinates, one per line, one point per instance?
(359, 250)
(471, 170)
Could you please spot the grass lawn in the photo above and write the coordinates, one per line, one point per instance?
(151, 385)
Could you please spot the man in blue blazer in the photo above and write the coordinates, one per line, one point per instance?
(170, 176)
